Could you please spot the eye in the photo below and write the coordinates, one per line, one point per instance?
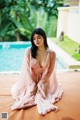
(38, 37)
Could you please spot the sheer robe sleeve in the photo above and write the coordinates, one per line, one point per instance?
(25, 82)
(48, 84)
(52, 62)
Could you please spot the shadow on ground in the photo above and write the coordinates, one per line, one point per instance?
(67, 118)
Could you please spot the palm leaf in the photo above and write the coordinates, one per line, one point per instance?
(25, 21)
(4, 30)
(20, 27)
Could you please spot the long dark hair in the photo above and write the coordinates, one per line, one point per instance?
(34, 48)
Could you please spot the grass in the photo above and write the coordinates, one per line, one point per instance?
(69, 46)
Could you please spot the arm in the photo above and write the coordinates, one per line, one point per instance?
(51, 67)
(44, 82)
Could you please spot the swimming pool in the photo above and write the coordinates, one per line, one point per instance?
(11, 56)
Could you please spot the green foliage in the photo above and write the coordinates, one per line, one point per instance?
(76, 56)
(69, 46)
(23, 16)
(49, 6)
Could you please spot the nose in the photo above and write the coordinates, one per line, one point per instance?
(36, 39)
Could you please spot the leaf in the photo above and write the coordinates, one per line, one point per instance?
(20, 27)
(25, 22)
(4, 30)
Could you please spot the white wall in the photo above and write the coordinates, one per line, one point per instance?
(69, 22)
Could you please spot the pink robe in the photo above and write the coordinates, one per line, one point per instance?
(37, 85)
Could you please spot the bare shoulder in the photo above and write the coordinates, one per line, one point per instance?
(28, 50)
(52, 53)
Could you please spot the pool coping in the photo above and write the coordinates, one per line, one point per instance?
(8, 44)
(70, 62)
(58, 71)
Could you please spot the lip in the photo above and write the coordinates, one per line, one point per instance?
(37, 43)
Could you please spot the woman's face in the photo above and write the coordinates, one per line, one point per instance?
(38, 40)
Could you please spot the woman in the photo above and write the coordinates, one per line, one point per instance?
(37, 84)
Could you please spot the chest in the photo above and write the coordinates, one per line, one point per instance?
(42, 59)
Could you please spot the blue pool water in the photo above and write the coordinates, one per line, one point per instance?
(11, 56)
